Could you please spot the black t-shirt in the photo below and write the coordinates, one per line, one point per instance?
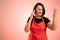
(46, 20)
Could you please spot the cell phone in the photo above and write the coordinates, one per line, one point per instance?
(34, 12)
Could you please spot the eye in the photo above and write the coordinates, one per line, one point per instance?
(41, 9)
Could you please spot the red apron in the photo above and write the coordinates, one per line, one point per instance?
(38, 31)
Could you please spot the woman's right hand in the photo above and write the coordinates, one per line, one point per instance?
(32, 14)
(27, 27)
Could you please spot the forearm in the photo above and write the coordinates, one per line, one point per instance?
(54, 23)
(27, 27)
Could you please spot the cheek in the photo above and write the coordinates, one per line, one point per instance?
(41, 11)
(37, 11)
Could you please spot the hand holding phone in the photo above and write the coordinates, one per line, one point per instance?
(33, 13)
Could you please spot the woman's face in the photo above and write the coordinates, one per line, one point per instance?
(39, 10)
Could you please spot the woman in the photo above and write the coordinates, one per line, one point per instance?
(37, 23)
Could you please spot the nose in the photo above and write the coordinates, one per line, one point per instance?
(39, 10)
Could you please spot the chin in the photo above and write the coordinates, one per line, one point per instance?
(39, 15)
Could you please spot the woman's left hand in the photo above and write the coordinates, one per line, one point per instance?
(52, 25)
(54, 14)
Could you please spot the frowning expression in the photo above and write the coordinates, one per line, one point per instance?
(39, 10)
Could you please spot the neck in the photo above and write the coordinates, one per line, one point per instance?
(38, 17)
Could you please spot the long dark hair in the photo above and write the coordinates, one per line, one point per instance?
(40, 5)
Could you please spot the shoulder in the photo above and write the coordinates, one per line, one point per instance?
(45, 18)
(29, 18)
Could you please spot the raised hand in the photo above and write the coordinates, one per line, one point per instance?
(32, 14)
